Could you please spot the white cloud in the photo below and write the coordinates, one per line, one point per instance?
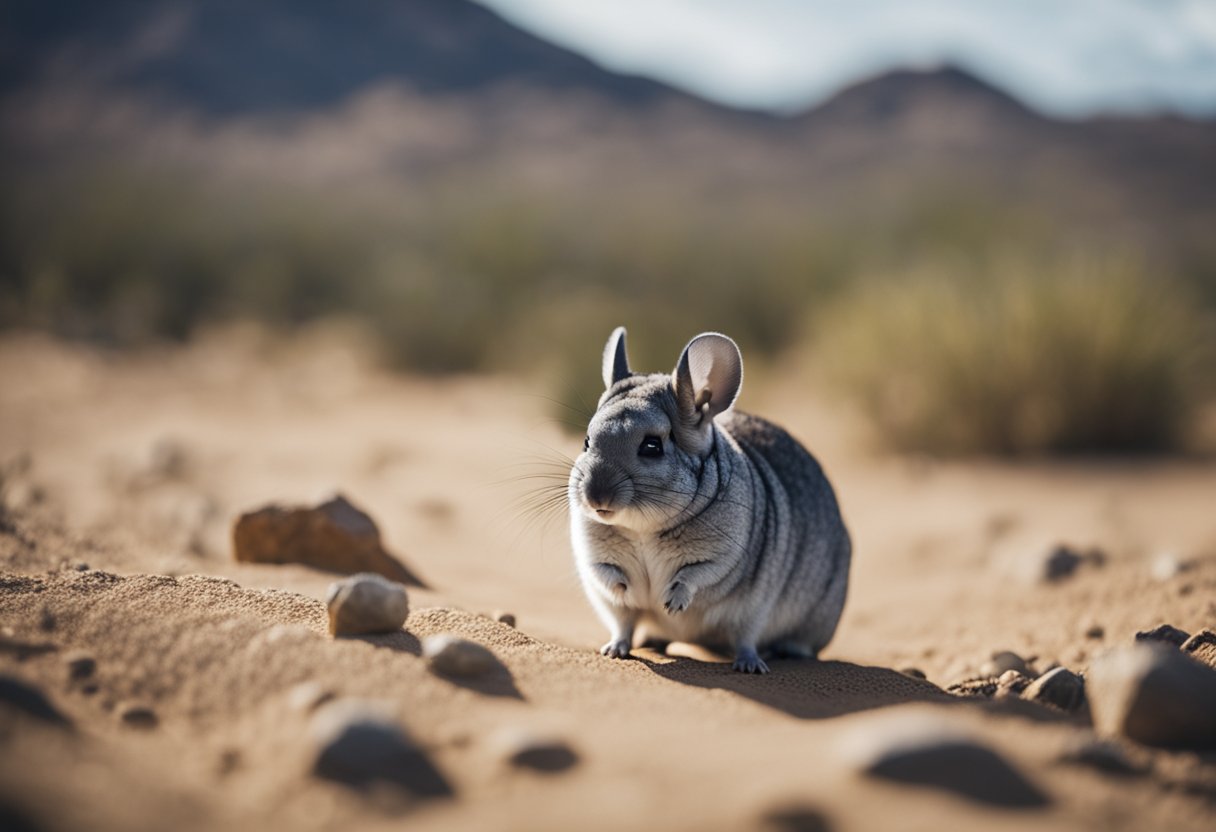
(1070, 57)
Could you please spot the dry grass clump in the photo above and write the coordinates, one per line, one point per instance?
(1085, 355)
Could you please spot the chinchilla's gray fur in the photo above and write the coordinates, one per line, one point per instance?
(729, 535)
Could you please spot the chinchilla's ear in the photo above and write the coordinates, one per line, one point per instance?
(706, 382)
(616, 363)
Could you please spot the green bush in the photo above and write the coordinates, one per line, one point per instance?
(1014, 358)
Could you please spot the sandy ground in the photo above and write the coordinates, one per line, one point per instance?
(124, 474)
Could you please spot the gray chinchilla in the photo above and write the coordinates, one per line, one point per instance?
(702, 523)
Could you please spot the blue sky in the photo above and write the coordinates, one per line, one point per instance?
(1066, 57)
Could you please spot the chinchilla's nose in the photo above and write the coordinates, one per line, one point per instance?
(599, 488)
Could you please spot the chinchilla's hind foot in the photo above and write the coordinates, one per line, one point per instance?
(617, 649)
(793, 650)
(747, 660)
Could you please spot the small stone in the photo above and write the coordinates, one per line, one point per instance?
(1061, 562)
(1153, 694)
(1202, 647)
(507, 618)
(454, 656)
(795, 819)
(1011, 684)
(364, 604)
(1060, 688)
(1096, 632)
(138, 716)
(919, 750)
(1165, 634)
(914, 672)
(80, 665)
(1167, 566)
(1102, 755)
(537, 752)
(1002, 661)
(306, 697)
(360, 746)
(46, 620)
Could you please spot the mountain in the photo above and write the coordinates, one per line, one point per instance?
(233, 57)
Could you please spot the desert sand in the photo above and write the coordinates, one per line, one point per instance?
(125, 473)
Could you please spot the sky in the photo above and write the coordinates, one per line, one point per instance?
(1069, 58)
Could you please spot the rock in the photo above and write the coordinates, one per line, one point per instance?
(1165, 634)
(308, 696)
(364, 604)
(1011, 684)
(537, 751)
(914, 672)
(1167, 566)
(138, 716)
(1202, 646)
(360, 746)
(1102, 755)
(795, 819)
(507, 618)
(1154, 694)
(917, 750)
(1062, 561)
(454, 656)
(1060, 688)
(1095, 631)
(1002, 661)
(334, 535)
(17, 696)
(80, 665)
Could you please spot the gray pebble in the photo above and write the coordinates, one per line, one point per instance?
(1060, 688)
(1153, 694)
(507, 618)
(138, 716)
(919, 750)
(360, 746)
(1164, 633)
(455, 656)
(364, 604)
(80, 665)
(538, 752)
(1001, 661)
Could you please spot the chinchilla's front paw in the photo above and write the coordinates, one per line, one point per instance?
(677, 597)
(613, 579)
(616, 649)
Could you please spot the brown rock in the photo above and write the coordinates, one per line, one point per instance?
(507, 618)
(138, 716)
(454, 656)
(1202, 646)
(1154, 694)
(334, 536)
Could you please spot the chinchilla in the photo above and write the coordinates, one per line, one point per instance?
(702, 523)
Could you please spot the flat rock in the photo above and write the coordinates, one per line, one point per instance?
(1060, 688)
(1154, 694)
(365, 604)
(454, 656)
(1202, 646)
(334, 535)
(918, 750)
(360, 746)
(1165, 634)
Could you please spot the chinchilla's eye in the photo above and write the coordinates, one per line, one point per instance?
(586, 443)
(651, 446)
